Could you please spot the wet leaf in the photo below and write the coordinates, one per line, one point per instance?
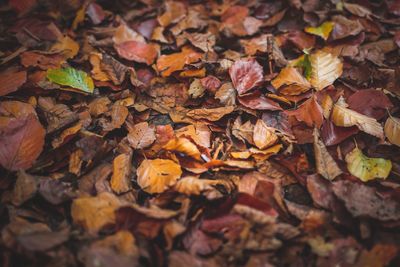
(156, 176)
(366, 168)
(71, 77)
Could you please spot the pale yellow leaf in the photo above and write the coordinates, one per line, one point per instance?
(325, 69)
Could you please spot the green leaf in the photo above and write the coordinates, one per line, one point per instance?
(322, 30)
(71, 77)
(366, 168)
(304, 63)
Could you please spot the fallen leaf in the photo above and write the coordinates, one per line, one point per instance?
(185, 146)
(156, 176)
(345, 117)
(379, 256)
(25, 188)
(309, 112)
(196, 89)
(366, 168)
(92, 213)
(174, 12)
(76, 79)
(264, 136)
(326, 68)
(226, 94)
(290, 82)
(326, 165)
(66, 46)
(167, 64)
(122, 171)
(124, 34)
(333, 135)
(258, 101)
(190, 185)
(141, 135)
(322, 30)
(137, 51)
(11, 81)
(211, 114)
(392, 130)
(21, 135)
(370, 102)
(246, 74)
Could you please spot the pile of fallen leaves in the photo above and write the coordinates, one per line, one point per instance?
(200, 133)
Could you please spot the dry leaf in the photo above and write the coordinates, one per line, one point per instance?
(345, 117)
(66, 46)
(264, 136)
(196, 89)
(226, 94)
(246, 74)
(366, 168)
(124, 33)
(211, 114)
(21, 135)
(156, 176)
(290, 82)
(141, 135)
(11, 81)
(122, 171)
(325, 69)
(191, 185)
(167, 64)
(326, 165)
(137, 51)
(310, 112)
(185, 146)
(392, 130)
(92, 213)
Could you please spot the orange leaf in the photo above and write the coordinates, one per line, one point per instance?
(167, 64)
(185, 146)
(137, 51)
(309, 112)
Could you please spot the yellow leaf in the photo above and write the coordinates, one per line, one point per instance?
(366, 168)
(92, 213)
(392, 130)
(185, 146)
(264, 136)
(290, 82)
(322, 30)
(68, 47)
(345, 117)
(156, 176)
(325, 69)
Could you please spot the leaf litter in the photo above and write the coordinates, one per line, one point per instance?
(199, 133)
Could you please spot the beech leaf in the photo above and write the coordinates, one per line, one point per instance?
(326, 68)
(264, 136)
(309, 112)
(185, 146)
(366, 168)
(392, 130)
(167, 64)
(345, 117)
(246, 74)
(290, 82)
(322, 30)
(326, 165)
(156, 176)
(71, 77)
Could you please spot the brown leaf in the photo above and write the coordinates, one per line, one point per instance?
(309, 112)
(43, 61)
(167, 64)
(185, 146)
(21, 137)
(137, 51)
(226, 94)
(141, 135)
(24, 189)
(246, 74)
(392, 130)
(264, 136)
(11, 81)
(211, 114)
(156, 176)
(122, 171)
(290, 82)
(326, 165)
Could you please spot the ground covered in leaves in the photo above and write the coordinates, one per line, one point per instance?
(199, 133)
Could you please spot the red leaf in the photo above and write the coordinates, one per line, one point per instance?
(370, 102)
(333, 135)
(259, 102)
(309, 112)
(137, 51)
(246, 74)
(11, 81)
(95, 13)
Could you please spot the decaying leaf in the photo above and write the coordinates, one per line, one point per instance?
(71, 77)
(326, 165)
(246, 74)
(11, 81)
(141, 135)
(345, 117)
(310, 112)
(322, 30)
(264, 136)
(92, 213)
(122, 170)
(366, 168)
(156, 176)
(326, 68)
(392, 130)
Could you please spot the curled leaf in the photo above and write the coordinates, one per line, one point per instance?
(366, 168)
(392, 130)
(345, 117)
(322, 30)
(326, 68)
(71, 77)
(167, 64)
(264, 136)
(185, 146)
(290, 82)
(156, 176)
(246, 74)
